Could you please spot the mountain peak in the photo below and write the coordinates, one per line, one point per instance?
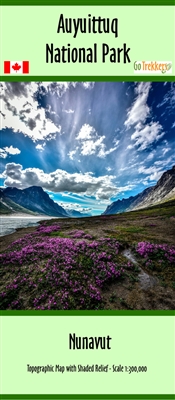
(37, 188)
(35, 199)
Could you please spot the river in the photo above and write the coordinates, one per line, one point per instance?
(10, 224)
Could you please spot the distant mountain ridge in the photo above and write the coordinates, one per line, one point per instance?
(77, 214)
(162, 191)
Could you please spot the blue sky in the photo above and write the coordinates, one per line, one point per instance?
(86, 143)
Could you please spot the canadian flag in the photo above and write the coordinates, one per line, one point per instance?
(16, 67)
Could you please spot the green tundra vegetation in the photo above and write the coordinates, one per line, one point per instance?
(121, 261)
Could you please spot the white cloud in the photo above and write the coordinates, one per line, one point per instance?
(103, 153)
(164, 151)
(9, 150)
(151, 156)
(12, 150)
(116, 142)
(101, 187)
(125, 168)
(74, 206)
(91, 143)
(139, 110)
(3, 153)
(149, 134)
(130, 146)
(60, 88)
(70, 111)
(89, 147)
(168, 162)
(21, 113)
(88, 85)
(86, 132)
(71, 154)
(145, 182)
(40, 146)
(169, 98)
(158, 162)
(144, 170)
(153, 173)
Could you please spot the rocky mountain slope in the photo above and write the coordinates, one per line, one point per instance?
(162, 191)
(7, 206)
(33, 199)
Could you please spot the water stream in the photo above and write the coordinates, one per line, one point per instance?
(146, 281)
(10, 224)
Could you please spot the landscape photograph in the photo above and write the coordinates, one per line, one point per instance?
(87, 195)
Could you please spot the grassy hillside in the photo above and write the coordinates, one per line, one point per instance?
(10, 207)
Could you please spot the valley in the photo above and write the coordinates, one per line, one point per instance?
(122, 261)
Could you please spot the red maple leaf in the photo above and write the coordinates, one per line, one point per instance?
(16, 67)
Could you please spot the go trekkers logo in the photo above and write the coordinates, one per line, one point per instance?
(152, 67)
